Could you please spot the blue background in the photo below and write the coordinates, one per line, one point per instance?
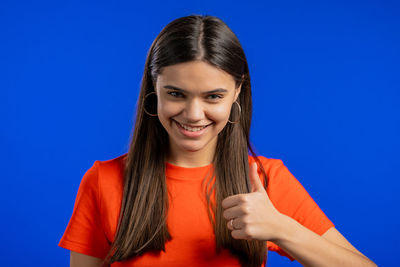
(325, 80)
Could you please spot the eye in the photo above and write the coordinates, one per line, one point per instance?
(215, 97)
(174, 94)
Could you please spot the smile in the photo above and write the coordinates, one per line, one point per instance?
(192, 129)
(191, 132)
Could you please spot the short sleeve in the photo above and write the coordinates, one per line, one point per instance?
(84, 233)
(290, 198)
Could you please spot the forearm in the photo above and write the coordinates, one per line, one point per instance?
(310, 249)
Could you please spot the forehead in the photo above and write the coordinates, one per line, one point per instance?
(196, 75)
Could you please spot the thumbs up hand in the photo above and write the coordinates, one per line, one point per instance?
(252, 215)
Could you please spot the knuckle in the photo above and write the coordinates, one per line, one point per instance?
(248, 232)
(225, 214)
(246, 220)
(246, 209)
(222, 205)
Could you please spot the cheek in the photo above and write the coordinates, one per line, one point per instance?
(219, 112)
(168, 109)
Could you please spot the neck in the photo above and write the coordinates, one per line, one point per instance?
(191, 159)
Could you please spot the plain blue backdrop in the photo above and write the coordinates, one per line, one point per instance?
(325, 80)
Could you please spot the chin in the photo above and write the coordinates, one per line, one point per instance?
(192, 148)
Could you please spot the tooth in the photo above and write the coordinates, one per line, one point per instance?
(192, 129)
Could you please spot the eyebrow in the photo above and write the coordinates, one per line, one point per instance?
(217, 90)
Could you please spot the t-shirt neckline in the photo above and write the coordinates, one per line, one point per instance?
(187, 173)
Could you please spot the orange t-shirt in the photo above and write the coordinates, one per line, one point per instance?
(94, 219)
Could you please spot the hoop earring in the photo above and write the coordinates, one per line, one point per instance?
(240, 112)
(144, 106)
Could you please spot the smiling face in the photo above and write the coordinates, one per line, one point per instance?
(194, 104)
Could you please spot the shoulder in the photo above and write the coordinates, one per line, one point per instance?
(270, 165)
(111, 172)
(110, 191)
(112, 166)
(272, 168)
(102, 172)
(279, 177)
(105, 179)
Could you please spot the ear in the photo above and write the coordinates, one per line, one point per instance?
(237, 92)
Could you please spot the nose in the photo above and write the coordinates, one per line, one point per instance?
(194, 110)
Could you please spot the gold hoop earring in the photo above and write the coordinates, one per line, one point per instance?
(144, 106)
(240, 112)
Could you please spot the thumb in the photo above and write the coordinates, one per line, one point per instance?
(256, 185)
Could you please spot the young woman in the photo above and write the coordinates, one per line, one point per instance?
(188, 193)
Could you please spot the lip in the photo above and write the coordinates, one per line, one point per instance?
(187, 133)
(193, 126)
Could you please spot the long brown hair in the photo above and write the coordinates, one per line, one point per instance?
(142, 221)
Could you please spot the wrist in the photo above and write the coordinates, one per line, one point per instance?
(285, 229)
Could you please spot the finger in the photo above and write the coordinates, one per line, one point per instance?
(232, 201)
(229, 225)
(256, 185)
(235, 224)
(234, 212)
(240, 234)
